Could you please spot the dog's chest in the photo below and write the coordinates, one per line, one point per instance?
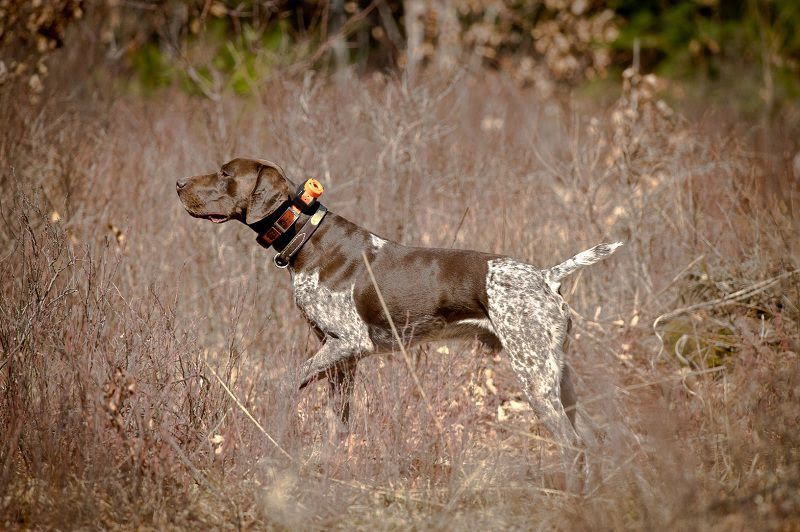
(333, 312)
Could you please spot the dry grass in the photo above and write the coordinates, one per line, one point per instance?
(118, 311)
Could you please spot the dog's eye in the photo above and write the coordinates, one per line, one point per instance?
(225, 173)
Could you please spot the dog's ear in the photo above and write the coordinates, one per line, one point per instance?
(270, 190)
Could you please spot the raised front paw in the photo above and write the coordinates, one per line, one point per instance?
(307, 373)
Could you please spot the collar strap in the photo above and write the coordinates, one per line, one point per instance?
(304, 201)
(302, 235)
(279, 227)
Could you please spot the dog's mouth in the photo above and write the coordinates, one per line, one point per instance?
(216, 218)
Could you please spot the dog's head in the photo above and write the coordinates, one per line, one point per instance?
(247, 190)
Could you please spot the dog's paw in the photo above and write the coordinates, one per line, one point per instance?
(307, 374)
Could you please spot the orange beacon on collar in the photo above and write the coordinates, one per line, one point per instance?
(312, 189)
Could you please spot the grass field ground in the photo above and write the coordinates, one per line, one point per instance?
(124, 322)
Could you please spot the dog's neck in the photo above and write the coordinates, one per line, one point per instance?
(335, 247)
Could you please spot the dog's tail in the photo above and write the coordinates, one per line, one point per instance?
(584, 258)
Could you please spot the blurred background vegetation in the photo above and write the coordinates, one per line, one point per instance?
(671, 125)
(212, 46)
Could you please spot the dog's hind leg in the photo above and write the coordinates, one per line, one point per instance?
(542, 385)
(569, 400)
(531, 321)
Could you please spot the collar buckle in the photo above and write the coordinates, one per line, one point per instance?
(279, 261)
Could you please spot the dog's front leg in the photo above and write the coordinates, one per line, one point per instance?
(337, 361)
(341, 381)
(334, 353)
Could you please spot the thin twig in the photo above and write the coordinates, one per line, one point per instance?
(535, 437)
(458, 229)
(680, 274)
(613, 474)
(346, 28)
(406, 358)
(744, 293)
(652, 383)
(198, 475)
(319, 476)
(248, 414)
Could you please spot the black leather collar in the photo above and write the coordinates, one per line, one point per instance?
(303, 233)
(287, 229)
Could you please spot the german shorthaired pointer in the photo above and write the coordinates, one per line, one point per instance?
(431, 294)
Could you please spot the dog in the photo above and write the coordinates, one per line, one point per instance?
(431, 294)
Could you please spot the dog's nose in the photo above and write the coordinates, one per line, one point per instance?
(180, 183)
